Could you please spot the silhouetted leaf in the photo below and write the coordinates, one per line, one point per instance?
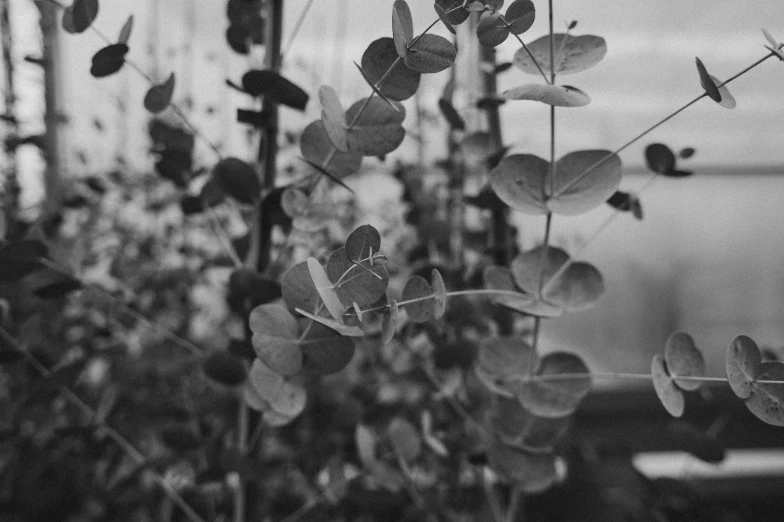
(626, 202)
(491, 30)
(417, 287)
(431, 54)
(686, 152)
(316, 147)
(741, 361)
(402, 27)
(275, 87)
(362, 243)
(378, 130)
(50, 284)
(125, 32)
(684, 359)
(225, 368)
(238, 179)
(707, 82)
(577, 53)
(78, 16)
(401, 83)
(405, 439)
(108, 60)
(520, 16)
(276, 338)
(159, 97)
(669, 395)
(333, 117)
(660, 158)
(555, 95)
(557, 397)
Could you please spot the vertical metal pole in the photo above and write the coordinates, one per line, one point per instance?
(11, 183)
(52, 75)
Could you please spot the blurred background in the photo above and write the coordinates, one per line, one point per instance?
(708, 256)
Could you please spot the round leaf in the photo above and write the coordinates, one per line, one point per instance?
(378, 130)
(520, 16)
(363, 283)
(225, 368)
(557, 397)
(454, 10)
(78, 16)
(298, 289)
(741, 361)
(444, 17)
(519, 181)
(275, 338)
(325, 289)
(439, 291)
(402, 27)
(108, 60)
(325, 351)
(420, 311)
(669, 395)
(362, 243)
(492, 30)
(316, 146)
(573, 54)
(284, 395)
(500, 359)
(767, 400)
(555, 95)
(238, 179)
(500, 278)
(159, 96)
(405, 439)
(333, 117)
(431, 54)
(684, 359)
(580, 185)
(401, 83)
(660, 158)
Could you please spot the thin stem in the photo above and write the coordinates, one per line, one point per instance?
(223, 237)
(294, 32)
(492, 498)
(113, 434)
(624, 376)
(242, 447)
(654, 126)
(533, 59)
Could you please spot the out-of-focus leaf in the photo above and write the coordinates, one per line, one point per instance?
(159, 97)
(405, 439)
(78, 16)
(225, 368)
(108, 60)
(238, 179)
(275, 87)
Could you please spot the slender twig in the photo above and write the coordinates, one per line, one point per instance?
(113, 434)
(599, 163)
(533, 59)
(294, 32)
(514, 502)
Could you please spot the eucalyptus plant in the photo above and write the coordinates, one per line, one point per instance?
(312, 319)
